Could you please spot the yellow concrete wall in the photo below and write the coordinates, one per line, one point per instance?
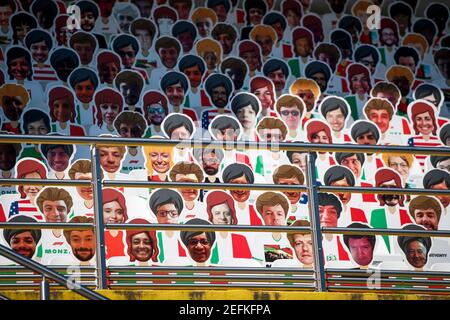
(230, 294)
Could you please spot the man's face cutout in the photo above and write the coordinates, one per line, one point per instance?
(58, 159)
(39, 51)
(156, 113)
(169, 56)
(210, 163)
(219, 96)
(19, 68)
(361, 250)
(7, 157)
(84, 91)
(226, 41)
(175, 93)
(240, 195)
(391, 200)
(130, 92)
(87, 21)
(278, 78)
(128, 56)
(23, 243)
(85, 52)
(82, 244)
(416, 254)
(64, 69)
(194, 75)
(110, 159)
(13, 107)
(145, 38)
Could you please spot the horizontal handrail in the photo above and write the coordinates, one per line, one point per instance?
(209, 278)
(387, 273)
(256, 270)
(391, 289)
(288, 146)
(46, 225)
(223, 228)
(226, 186)
(387, 232)
(212, 227)
(50, 274)
(178, 286)
(416, 282)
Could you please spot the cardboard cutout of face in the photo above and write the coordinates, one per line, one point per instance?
(164, 17)
(264, 89)
(13, 98)
(155, 107)
(380, 111)
(336, 111)
(307, 90)
(247, 108)
(175, 85)
(225, 128)
(210, 51)
(426, 211)
(111, 157)
(204, 20)
(365, 132)
(130, 84)
(85, 45)
(236, 69)
(84, 82)
(166, 205)
(360, 247)
(54, 203)
(226, 35)
(219, 89)
(108, 104)
(178, 127)
(423, 117)
(388, 178)
(238, 173)
(415, 249)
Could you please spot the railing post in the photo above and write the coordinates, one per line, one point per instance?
(313, 204)
(44, 289)
(99, 224)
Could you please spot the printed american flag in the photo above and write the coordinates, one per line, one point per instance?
(210, 114)
(24, 207)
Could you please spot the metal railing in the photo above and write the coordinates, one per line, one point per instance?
(48, 274)
(321, 277)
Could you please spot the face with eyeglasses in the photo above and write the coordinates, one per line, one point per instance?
(210, 163)
(199, 248)
(388, 37)
(400, 165)
(127, 55)
(291, 116)
(167, 213)
(156, 114)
